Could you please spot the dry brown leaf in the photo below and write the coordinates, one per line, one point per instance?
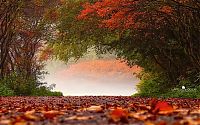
(144, 107)
(21, 123)
(182, 111)
(167, 112)
(51, 114)
(196, 111)
(95, 108)
(149, 123)
(161, 123)
(5, 122)
(138, 117)
(190, 121)
(29, 115)
(79, 118)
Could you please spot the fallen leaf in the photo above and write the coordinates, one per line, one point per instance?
(161, 107)
(191, 121)
(119, 114)
(95, 108)
(167, 112)
(161, 123)
(5, 122)
(21, 123)
(196, 111)
(182, 111)
(29, 115)
(79, 118)
(144, 107)
(140, 115)
(149, 123)
(51, 114)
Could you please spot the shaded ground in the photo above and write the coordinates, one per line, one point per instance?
(102, 110)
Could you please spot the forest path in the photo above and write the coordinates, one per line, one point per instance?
(92, 110)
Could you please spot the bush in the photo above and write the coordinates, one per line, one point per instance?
(183, 93)
(173, 93)
(5, 91)
(151, 85)
(45, 91)
(20, 86)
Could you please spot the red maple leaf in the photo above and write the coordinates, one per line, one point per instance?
(159, 106)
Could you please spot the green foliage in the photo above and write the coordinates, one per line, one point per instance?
(174, 93)
(45, 91)
(152, 85)
(156, 85)
(5, 91)
(77, 37)
(20, 85)
(182, 93)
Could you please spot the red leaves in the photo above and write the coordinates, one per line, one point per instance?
(166, 9)
(87, 10)
(124, 14)
(99, 110)
(119, 114)
(161, 107)
(110, 13)
(143, 112)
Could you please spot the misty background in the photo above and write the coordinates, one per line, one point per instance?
(92, 75)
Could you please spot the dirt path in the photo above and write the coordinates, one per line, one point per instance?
(98, 110)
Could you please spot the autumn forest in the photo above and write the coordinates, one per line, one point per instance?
(162, 37)
(158, 38)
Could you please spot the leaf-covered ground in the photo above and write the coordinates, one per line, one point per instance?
(102, 110)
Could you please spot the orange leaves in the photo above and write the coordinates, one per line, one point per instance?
(81, 118)
(142, 112)
(113, 110)
(160, 107)
(95, 108)
(110, 13)
(29, 115)
(87, 10)
(140, 115)
(166, 9)
(115, 21)
(163, 106)
(51, 114)
(5, 122)
(119, 114)
(104, 11)
(124, 14)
